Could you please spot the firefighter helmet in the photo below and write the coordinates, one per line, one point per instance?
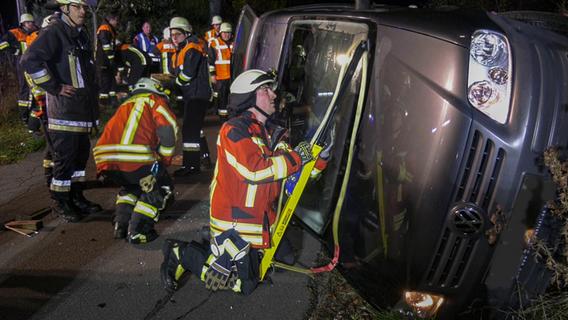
(145, 85)
(166, 34)
(26, 17)
(181, 23)
(226, 27)
(79, 2)
(216, 20)
(243, 89)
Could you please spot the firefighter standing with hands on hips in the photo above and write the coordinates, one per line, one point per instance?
(252, 161)
(136, 146)
(220, 51)
(60, 61)
(192, 78)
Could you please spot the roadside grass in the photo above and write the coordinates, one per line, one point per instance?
(548, 307)
(15, 141)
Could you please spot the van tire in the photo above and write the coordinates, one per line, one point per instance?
(546, 20)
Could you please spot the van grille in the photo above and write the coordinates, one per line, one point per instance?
(477, 186)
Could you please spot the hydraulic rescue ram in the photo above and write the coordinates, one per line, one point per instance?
(317, 145)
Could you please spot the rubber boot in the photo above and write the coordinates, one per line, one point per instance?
(141, 230)
(87, 207)
(64, 207)
(172, 269)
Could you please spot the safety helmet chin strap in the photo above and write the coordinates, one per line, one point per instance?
(69, 17)
(261, 111)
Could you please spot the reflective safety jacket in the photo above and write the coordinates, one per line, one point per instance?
(37, 93)
(16, 40)
(142, 130)
(210, 35)
(166, 50)
(220, 58)
(246, 185)
(62, 54)
(106, 46)
(190, 68)
(31, 37)
(145, 43)
(134, 61)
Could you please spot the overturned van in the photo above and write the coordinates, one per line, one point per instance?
(441, 119)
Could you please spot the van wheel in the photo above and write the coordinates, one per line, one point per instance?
(545, 20)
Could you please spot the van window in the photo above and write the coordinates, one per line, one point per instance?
(242, 36)
(318, 51)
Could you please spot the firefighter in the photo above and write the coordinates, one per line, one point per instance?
(133, 63)
(166, 50)
(214, 31)
(136, 146)
(220, 50)
(60, 62)
(190, 65)
(252, 160)
(105, 58)
(15, 41)
(147, 42)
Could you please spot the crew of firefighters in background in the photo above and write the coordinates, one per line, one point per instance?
(147, 42)
(106, 58)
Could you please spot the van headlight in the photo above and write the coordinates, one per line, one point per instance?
(489, 77)
(422, 304)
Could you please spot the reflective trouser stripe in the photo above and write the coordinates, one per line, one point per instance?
(147, 210)
(127, 199)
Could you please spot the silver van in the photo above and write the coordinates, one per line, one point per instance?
(441, 119)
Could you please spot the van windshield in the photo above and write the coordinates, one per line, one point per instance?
(319, 52)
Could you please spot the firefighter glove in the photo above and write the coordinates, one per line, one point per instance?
(217, 276)
(304, 149)
(279, 134)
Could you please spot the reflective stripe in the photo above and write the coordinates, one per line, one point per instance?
(39, 75)
(60, 185)
(4, 45)
(251, 194)
(191, 147)
(134, 148)
(165, 63)
(112, 93)
(184, 77)
(125, 157)
(139, 54)
(47, 163)
(146, 209)
(103, 95)
(71, 123)
(258, 141)
(107, 47)
(223, 112)
(253, 239)
(201, 133)
(223, 62)
(133, 119)
(56, 127)
(128, 199)
(166, 151)
(24, 103)
(259, 175)
(161, 110)
(315, 173)
(78, 174)
(247, 228)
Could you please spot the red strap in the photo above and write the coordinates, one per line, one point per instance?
(331, 265)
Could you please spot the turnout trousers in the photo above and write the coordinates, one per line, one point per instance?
(71, 151)
(193, 116)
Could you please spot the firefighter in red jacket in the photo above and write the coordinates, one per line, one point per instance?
(137, 144)
(15, 41)
(105, 58)
(252, 162)
(192, 78)
(220, 51)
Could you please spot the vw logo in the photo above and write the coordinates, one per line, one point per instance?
(467, 219)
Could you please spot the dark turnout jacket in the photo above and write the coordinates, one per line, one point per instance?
(190, 68)
(63, 55)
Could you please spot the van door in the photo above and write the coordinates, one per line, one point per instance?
(319, 52)
(247, 20)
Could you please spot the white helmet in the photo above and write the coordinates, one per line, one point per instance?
(80, 2)
(226, 27)
(216, 20)
(181, 23)
(145, 85)
(166, 34)
(243, 88)
(26, 17)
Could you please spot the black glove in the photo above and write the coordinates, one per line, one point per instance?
(278, 134)
(304, 149)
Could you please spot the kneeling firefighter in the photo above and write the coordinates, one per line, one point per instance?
(252, 162)
(137, 144)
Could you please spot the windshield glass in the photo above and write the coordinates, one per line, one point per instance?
(319, 52)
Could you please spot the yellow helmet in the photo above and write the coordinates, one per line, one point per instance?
(180, 23)
(226, 27)
(64, 2)
(26, 17)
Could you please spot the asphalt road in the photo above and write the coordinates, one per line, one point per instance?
(78, 271)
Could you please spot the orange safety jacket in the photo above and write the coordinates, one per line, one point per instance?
(142, 130)
(220, 58)
(246, 185)
(211, 34)
(167, 50)
(31, 37)
(16, 38)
